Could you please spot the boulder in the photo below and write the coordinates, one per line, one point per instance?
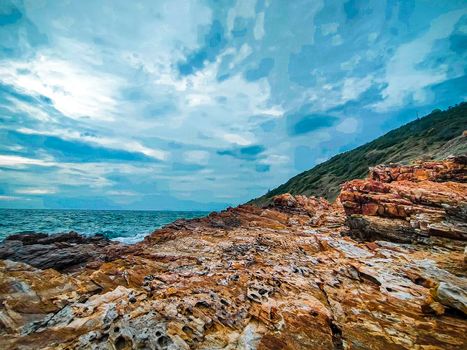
(58, 251)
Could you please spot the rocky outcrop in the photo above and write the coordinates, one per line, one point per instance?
(59, 251)
(288, 276)
(409, 203)
(452, 169)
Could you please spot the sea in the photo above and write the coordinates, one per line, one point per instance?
(127, 226)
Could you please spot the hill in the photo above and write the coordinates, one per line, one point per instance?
(435, 136)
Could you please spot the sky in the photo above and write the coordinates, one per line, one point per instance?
(197, 105)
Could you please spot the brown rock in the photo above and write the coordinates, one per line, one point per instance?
(409, 193)
(283, 277)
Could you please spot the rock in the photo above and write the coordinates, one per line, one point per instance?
(58, 251)
(433, 308)
(452, 296)
(452, 169)
(409, 203)
(370, 228)
(293, 275)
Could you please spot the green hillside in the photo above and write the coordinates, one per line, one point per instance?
(434, 136)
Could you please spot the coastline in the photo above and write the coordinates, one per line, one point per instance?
(126, 226)
(300, 273)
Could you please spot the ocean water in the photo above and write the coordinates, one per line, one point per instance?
(127, 226)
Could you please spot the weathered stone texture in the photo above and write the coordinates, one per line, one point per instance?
(284, 277)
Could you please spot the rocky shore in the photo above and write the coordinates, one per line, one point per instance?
(63, 252)
(383, 267)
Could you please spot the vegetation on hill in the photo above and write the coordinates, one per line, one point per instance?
(434, 136)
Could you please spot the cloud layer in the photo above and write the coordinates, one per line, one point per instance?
(204, 104)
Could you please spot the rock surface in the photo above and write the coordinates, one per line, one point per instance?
(59, 251)
(288, 276)
(404, 204)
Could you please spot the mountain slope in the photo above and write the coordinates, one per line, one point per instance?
(434, 136)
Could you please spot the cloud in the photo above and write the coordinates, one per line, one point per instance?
(72, 90)
(124, 145)
(221, 96)
(336, 40)
(36, 191)
(18, 161)
(258, 30)
(214, 42)
(329, 28)
(196, 156)
(404, 76)
(238, 139)
(354, 87)
(10, 198)
(122, 193)
(32, 111)
(348, 126)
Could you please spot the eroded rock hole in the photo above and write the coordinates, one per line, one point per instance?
(163, 342)
(121, 343)
(188, 330)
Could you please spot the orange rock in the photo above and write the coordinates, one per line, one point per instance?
(413, 196)
(290, 276)
(369, 209)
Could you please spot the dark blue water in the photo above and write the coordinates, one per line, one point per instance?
(123, 225)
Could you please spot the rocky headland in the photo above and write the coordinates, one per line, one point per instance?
(383, 267)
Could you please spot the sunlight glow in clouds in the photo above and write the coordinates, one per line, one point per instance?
(74, 92)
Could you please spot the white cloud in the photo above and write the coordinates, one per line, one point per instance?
(275, 159)
(15, 148)
(329, 28)
(108, 142)
(245, 9)
(336, 40)
(198, 109)
(354, 87)
(74, 91)
(258, 30)
(122, 193)
(274, 111)
(195, 100)
(9, 198)
(18, 161)
(240, 55)
(403, 77)
(328, 95)
(196, 157)
(35, 191)
(348, 126)
(237, 139)
(32, 111)
(351, 63)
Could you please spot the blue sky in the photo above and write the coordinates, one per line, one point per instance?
(202, 104)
